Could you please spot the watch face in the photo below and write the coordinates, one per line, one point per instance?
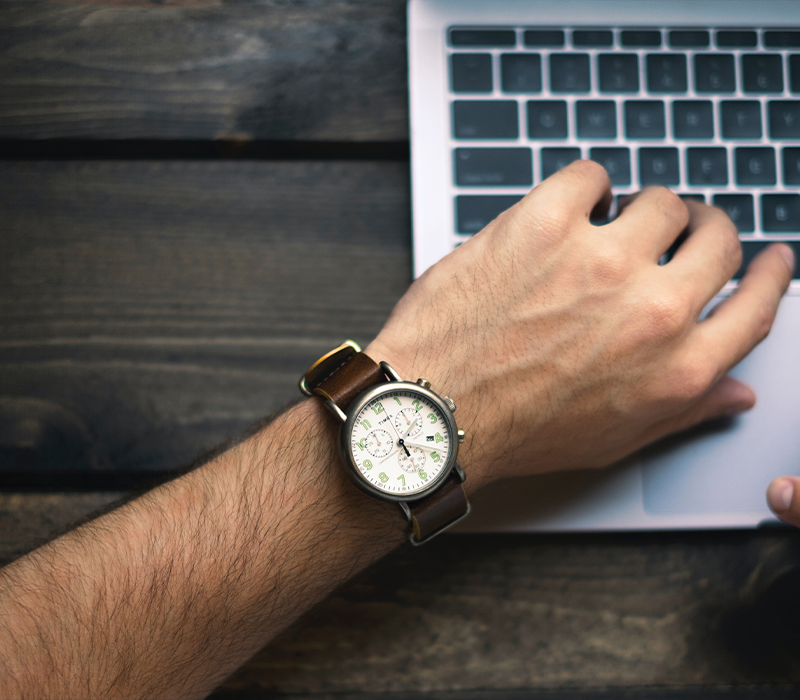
(401, 442)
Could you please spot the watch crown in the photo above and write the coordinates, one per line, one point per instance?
(450, 403)
(424, 383)
(460, 436)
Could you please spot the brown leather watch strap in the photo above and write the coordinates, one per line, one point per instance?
(432, 514)
(340, 376)
(342, 382)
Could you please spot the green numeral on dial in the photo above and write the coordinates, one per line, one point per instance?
(439, 438)
(378, 408)
(402, 478)
(422, 474)
(399, 402)
(361, 444)
(382, 476)
(435, 456)
(416, 404)
(367, 464)
(433, 417)
(366, 424)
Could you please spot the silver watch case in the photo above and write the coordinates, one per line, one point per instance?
(347, 428)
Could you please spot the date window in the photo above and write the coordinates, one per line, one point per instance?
(429, 438)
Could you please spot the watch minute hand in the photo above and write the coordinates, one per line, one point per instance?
(422, 445)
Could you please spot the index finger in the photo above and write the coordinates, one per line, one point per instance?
(574, 191)
(744, 319)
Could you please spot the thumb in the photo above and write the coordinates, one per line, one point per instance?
(783, 497)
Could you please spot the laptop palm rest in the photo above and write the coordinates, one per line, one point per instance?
(713, 476)
(726, 467)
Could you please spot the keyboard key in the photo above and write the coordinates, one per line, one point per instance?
(471, 72)
(474, 212)
(707, 166)
(755, 166)
(483, 37)
(553, 159)
(739, 207)
(689, 38)
(784, 119)
(693, 198)
(741, 119)
(596, 119)
(619, 72)
(477, 167)
(780, 213)
(485, 119)
(781, 38)
(714, 73)
(791, 166)
(737, 39)
(644, 119)
(569, 72)
(521, 72)
(666, 72)
(593, 37)
(659, 166)
(752, 248)
(762, 72)
(640, 38)
(616, 161)
(794, 72)
(547, 119)
(543, 37)
(692, 119)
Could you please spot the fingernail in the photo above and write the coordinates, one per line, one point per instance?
(780, 494)
(788, 255)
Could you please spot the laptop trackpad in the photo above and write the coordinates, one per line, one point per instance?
(726, 467)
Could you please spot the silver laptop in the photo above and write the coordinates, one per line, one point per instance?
(702, 96)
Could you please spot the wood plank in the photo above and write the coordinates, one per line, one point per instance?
(151, 310)
(477, 615)
(329, 70)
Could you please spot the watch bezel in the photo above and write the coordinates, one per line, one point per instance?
(347, 428)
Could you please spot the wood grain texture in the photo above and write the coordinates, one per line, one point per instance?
(150, 310)
(512, 612)
(314, 70)
(490, 613)
(27, 520)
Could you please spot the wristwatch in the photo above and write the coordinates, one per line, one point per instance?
(398, 440)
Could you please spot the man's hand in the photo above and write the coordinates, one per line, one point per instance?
(567, 345)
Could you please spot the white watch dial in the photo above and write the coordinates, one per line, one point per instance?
(400, 442)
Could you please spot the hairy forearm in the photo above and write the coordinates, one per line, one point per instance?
(168, 594)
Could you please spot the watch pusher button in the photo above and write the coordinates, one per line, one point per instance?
(424, 383)
(450, 403)
(460, 436)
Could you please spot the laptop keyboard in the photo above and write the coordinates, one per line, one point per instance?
(713, 114)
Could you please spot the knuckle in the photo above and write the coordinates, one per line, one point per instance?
(672, 206)
(763, 317)
(732, 249)
(610, 264)
(690, 379)
(666, 314)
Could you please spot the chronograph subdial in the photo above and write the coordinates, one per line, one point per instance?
(408, 420)
(379, 443)
(413, 461)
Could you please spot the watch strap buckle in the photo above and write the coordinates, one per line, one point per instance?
(448, 504)
(326, 365)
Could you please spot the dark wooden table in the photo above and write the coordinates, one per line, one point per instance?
(181, 185)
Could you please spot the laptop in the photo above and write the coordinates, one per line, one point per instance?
(702, 96)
